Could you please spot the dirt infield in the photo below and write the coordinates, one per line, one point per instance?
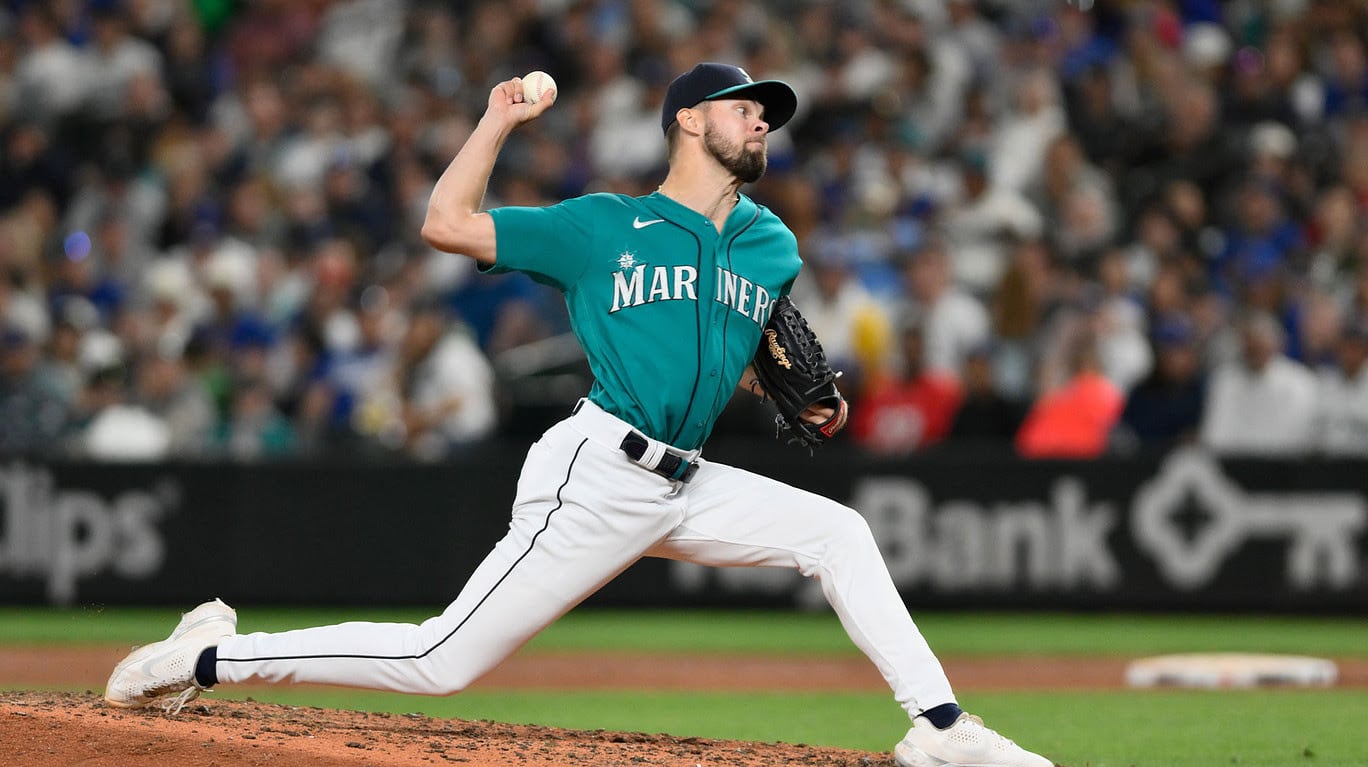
(43, 729)
(63, 729)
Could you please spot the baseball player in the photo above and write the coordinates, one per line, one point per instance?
(668, 294)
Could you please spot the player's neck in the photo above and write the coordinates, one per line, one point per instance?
(713, 194)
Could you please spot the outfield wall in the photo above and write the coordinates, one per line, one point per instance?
(1178, 531)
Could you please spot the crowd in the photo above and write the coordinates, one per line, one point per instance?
(1072, 228)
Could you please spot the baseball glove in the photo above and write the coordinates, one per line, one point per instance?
(793, 370)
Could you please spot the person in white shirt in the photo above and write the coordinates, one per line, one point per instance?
(437, 393)
(983, 222)
(954, 321)
(1342, 397)
(1263, 403)
(856, 330)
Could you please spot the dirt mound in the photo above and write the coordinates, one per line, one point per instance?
(44, 729)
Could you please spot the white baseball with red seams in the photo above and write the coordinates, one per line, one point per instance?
(536, 83)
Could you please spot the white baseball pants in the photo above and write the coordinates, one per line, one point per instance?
(584, 512)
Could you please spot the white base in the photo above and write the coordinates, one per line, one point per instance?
(1239, 670)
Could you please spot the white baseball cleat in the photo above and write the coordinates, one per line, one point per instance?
(966, 743)
(162, 674)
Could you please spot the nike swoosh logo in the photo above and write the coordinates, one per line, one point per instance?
(637, 223)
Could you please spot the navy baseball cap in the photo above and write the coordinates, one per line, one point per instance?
(710, 81)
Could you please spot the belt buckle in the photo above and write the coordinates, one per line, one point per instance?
(690, 470)
(634, 445)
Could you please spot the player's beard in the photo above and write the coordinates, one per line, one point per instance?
(745, 162)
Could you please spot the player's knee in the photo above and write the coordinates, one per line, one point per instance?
(441, 679)
(850, 532)
(447, 690)
(446, 686)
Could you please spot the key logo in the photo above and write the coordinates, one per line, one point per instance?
(637, 223)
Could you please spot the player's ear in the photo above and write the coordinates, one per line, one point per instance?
(689, 120)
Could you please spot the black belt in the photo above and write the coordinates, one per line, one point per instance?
(671, 466)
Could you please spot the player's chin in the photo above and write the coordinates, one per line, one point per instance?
(751, 170)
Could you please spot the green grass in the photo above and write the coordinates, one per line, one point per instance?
(1315, 728)
(771, 632)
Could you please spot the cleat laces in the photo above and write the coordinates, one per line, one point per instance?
(172, 704)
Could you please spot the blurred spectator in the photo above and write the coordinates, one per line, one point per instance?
(116, 59)
(1107, 135)
(1119, 322)
(627, 146)
(1036, 119)
(171, 301)
(1346, 84)
(121, 432)
(984, 416)
(1263, 403)
(1336, 232)
(1077, 200)
(31, 164)
(1342, 395)
(33, 407)
(855, 330)
(1074, 420)
(122, 210)
(352, 371)
(108, 426)
(254, 428)
(932, 86)
(1023, 299)
(1157, 242)
(1192, 147)
(1262, 241)
(168, 392)
(438, 392)
(504, 310)
(1317, 320)
(74, 318)
(952, 320)
(76, 272)
(984, 223)
(914, 408)
(1166, 407)
(52, 77)
(188, 67)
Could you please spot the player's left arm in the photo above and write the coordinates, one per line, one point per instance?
(815, 414)
(751, 383)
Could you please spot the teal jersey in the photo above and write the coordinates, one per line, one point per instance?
(668, 310)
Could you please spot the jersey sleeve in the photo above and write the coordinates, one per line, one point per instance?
(551, 244)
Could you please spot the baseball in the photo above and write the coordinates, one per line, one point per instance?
(535, 83)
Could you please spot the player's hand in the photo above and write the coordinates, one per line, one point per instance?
(506, 102)
(819, 414)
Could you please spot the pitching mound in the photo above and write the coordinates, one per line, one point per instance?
(41, 729)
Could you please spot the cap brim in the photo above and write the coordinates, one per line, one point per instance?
(778, 99)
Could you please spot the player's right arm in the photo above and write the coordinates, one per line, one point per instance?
(455, 222)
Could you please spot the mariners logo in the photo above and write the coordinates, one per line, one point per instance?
(636, 284)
